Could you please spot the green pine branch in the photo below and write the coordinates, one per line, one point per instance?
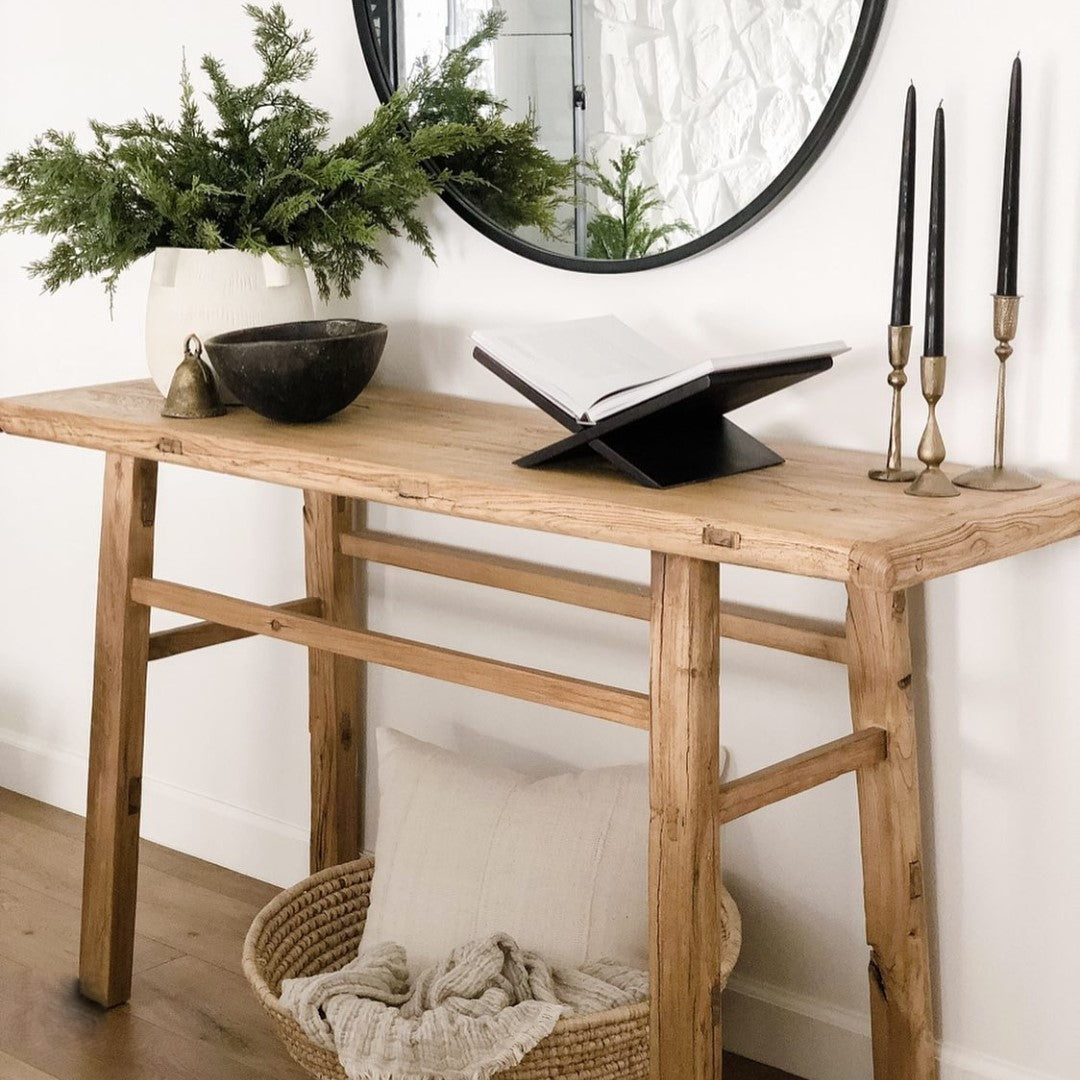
(625, 230)
(257, 174)
(505, 172)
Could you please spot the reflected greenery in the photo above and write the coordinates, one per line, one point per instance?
(624, 230)
(503, 170)
(626, 133)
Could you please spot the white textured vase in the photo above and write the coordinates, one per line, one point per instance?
(209, 292)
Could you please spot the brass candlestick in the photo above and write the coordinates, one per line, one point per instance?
(899, 351)
(996, 477)
(932, 482)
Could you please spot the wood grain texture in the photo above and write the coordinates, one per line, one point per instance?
(801, 773)
(901, 1010)
(970, 539)
(187, 1020)
(13, 1069)
(55, 862)
(819, 639)
(501, 572)
(335, 716)
(357, 521)
(513, 680)
(41, 932)
(122, 635)
(198, 920)
(815, 515)
(740, 622)
(45, 1024)
(210, 1006)
(684, 834)
(202, 635)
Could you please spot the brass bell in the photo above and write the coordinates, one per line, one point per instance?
(193, 394)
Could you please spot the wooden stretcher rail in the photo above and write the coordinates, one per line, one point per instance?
(500, 572)
(806, 637)
(801, 773)
(201, 635)
(529, 684)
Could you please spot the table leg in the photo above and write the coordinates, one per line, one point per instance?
(336, 718)
(901, 1010)
(684, 834)
(122, 638)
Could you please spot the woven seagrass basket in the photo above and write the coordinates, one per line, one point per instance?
(316, 926)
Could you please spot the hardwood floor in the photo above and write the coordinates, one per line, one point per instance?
(191, 1015)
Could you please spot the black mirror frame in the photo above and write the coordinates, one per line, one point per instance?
(851, 76)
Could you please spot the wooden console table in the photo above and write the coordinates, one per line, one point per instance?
(816, 516)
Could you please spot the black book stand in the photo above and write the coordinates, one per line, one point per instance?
(678, 437)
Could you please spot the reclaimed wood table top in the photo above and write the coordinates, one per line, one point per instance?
(816, 515)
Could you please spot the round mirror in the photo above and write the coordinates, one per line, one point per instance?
(639, 131)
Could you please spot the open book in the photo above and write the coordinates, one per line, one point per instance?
(595, 368)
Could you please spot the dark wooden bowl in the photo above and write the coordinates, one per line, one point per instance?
(298, 372)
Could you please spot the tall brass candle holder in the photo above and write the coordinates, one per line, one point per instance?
(899, 352)
(932, 482)
(996, 477)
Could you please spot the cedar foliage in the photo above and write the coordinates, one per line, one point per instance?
(625, 231)
(260, 177)
(505, 174)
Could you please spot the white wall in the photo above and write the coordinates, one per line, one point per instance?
(226, 766)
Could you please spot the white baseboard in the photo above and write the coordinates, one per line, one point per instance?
(809, 1038)
(254, 844)
(793, 1032)
(959, 1064)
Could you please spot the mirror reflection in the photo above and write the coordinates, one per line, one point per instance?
(670, 116)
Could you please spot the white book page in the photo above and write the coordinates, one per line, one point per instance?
(625, 399)
(577, 363)
(774, 356)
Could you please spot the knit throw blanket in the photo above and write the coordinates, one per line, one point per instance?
(475, 1014)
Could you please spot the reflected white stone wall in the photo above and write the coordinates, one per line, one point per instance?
(724, 90)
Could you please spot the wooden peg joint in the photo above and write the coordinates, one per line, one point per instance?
(915, 880)
(717, 537)
(201, 635)
(134, 795)
(148, 502)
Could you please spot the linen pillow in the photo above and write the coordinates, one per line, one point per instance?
(466, 850)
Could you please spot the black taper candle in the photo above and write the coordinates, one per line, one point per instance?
(1010, 190)
(905, 219)
(934, 344)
